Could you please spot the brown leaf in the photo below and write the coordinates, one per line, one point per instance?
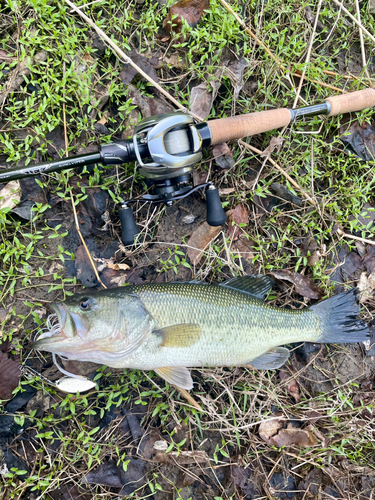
(201, 100)
(199, 240)
(146, 64)
(359, 139)
(237, 216)
(190, 10)
(10, 195)
(4, 56)
(292, 386)
(269, 428)
(9, 376)
(235, 71)
(181, 457)
(244, 247)
(275, 144)
(369, 260)
(366, 285)
(313, 416)
(290, 437)
(223, 155)
(271, 432)
(85, 270)
(118, 267)
(304, 285)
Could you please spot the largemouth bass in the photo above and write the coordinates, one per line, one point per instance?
(170, 327)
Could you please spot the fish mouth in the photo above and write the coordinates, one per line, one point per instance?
(63, 330)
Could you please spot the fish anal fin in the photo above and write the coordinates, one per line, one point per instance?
(256, 285)
(182, 335)
(271, 360)
(176, 375)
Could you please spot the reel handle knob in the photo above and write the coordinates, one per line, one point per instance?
(215, 212)
(129, 228)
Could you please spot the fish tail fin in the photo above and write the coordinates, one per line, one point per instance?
(340, 318)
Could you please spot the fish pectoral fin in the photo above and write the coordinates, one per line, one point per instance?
(272, 359)
(257, 285)
(182, 335)
(176, 375)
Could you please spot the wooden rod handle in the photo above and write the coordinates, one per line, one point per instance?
(236, 127)
(353, 101)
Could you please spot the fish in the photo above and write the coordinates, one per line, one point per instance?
(171, 327)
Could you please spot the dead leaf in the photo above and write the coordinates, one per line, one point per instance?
(223, 156)
(10, 195)
(234, 71)
(226, 191)
(199, 240)
(244, 247)
(85, 271)
(9, 376)
(369, 259)
(118, 267)
(237, 216)
(269, 428)
(304, 285)
(371, 7)
(292, 386)
(188, 10)
(284, 193)
(113, 476)
(359, 139)
(175, 61)
(275, 144)
(146, 64)
(201, 100)
(181, 457)
(4, 56)
(299, 437)
(273, 433)
(366, 285)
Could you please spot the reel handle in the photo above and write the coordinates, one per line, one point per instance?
(215, 212)
(129, 228)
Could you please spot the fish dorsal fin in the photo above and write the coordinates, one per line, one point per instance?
(272, 359)
(181, 335)
(176, 375)
(256, 285)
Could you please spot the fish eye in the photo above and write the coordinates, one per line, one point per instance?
(85, 304)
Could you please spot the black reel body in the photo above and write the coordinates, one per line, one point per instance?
(174, 145)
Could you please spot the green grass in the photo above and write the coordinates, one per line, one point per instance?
(29, 252)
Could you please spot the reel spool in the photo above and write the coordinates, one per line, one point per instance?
(174, 145)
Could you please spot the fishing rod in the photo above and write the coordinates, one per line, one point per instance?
(168, 146)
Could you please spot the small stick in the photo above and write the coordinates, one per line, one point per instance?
(127, 59)
(84, 244)
(358, 23)
(364, 62)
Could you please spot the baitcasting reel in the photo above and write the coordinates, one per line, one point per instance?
(174, 144)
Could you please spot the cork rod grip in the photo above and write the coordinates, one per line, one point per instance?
(353, 101)
(236, 127)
